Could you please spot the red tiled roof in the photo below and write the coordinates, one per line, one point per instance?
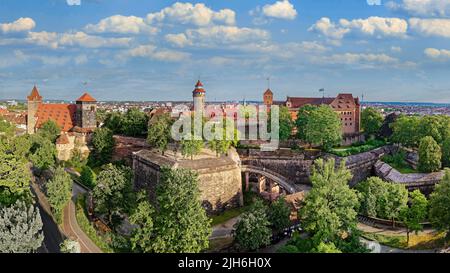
(299, 102)
(34, 94)
(63, 139)
(62, 114)
(199, 84)
(86, 98)
(268, 92)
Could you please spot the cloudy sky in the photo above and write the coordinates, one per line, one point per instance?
(156, 50)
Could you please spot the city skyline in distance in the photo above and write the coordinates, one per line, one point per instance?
(155, 51)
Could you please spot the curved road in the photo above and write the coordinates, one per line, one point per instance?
(74, 232)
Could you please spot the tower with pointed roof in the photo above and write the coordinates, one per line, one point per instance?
(34, 100)
(199, 97)
(268, 98)
(86, 113)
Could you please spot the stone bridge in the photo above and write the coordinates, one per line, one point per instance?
(294, 167)
(273, 176)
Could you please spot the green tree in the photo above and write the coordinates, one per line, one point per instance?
(159, 132)
(88, 177)
(59, 192)
(103, 143)
(405, 131)
(381, 199)
(440, 205)
(371, 121)
(50, 130)
(142, 237)
(286, 124)
(181, 224)
(431, 126)
(330, 208)
(223, 141)
(69, 246)
(15, 179)
(113, 193)
(42, 153)
(415, 215)
(396, 199)
(113, 122)
(302, 120)
(6, 128)
(253, 231)
(323, 127)
(326, 248)
(191, 147)
(429, 155)
(20, 228)
(446, 153)
(21, 146)
(279, 215)
(134, 123)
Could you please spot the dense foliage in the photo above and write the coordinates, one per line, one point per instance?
(181, 224)
(103, 144)
(330, 209)
(381, 199)
(414, 215)
(20, 228)
(133, 123)
(279, 215)
(320, 126)
(159, 132)
(59, 192)
(440, 205)
(50, 130)
(371, 121)
(429, 155)
(253, 231)
(113, 193)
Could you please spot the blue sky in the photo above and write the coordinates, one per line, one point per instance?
(398, 50)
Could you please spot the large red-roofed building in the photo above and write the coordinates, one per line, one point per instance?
(76, 121)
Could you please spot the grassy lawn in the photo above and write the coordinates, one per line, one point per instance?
(403, 168)
(416, 242)
(227, 215)
(357, 148)
(87, 227)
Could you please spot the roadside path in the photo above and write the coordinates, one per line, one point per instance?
(74, 232)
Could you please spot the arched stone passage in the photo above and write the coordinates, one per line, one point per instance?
(264, 173)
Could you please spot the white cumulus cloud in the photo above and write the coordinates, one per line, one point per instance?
(20, 25)
(437, 54)
(198, 15)
(435, 8)
(431, 27)
(73, 2)
(281, 10)
(81, 39)
(374, 26)
(122, 24)
(155, 53)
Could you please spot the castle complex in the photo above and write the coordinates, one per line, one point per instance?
(345, 105)
(76, 121)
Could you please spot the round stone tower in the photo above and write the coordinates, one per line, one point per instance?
(199, 97)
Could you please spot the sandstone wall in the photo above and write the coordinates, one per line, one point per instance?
(422, 181)
(221, 187)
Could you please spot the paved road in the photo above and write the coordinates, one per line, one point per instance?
(52, 236)
(73, 230)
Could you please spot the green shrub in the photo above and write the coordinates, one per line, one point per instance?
(430, 155)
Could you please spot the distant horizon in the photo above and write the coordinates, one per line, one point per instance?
(225, 101)
(138, 50)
